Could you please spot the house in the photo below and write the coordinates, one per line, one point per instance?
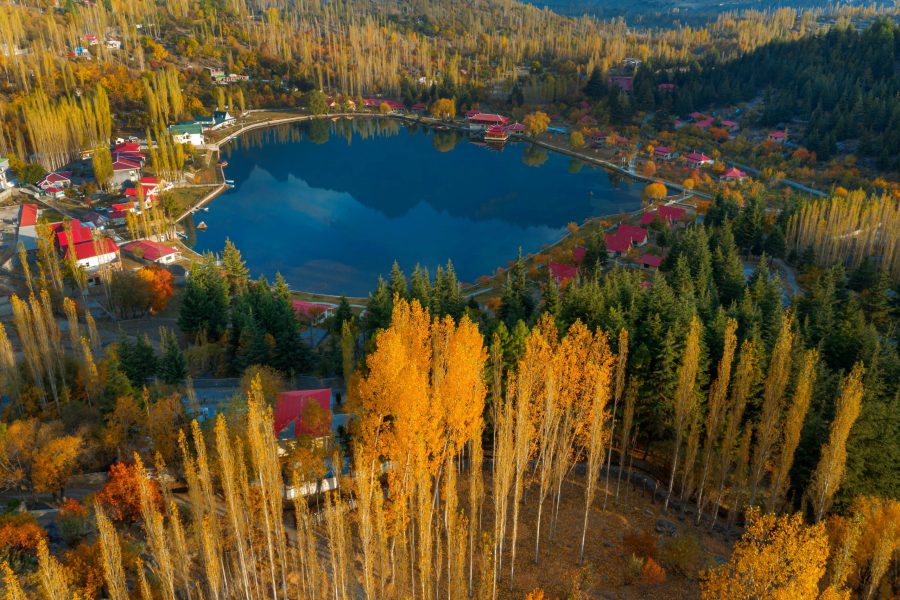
(222, 118)
(130, 151)
(730, 126)
(779, 137)
(153, 251)
(114, 44)
(666, 214)
(696, 116)
(419, 107)
(480, 120)
(80, 52)
(704, 123)
(562, 273)
(91, 39)
(315, 312)
(187, 133)
(698, 159)
(650, 261)
(375, 103)
(516, 128)
(77, 233)
(578, 254)
(623, 82)
(55, 184)
(616, 245)
(664, 153)
(125, 170)
(93, 254)
(303, 413)
(148, 187)
(635, 235)
(733, 175)
(28, 216)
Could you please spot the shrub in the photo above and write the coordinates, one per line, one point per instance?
(641, 544)
(652, 573)
(20, 536)
(682, 554)
(634, 566)
(120, 497)
(72, 520)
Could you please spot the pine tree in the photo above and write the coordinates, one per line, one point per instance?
(234, 268)
(685, 399)
(172, 364)
(398, 282)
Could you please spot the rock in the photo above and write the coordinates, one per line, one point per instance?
(648, 512)
(666, 527)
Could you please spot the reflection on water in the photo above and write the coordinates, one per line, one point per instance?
(331, 204)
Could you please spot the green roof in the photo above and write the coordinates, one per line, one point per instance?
(183, 128)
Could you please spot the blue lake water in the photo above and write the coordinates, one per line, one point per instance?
(331, 205)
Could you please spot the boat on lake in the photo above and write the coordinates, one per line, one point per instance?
(201, 225)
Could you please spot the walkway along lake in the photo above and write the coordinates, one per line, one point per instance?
(331, 205)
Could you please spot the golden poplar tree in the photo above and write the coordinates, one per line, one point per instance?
(685, 400)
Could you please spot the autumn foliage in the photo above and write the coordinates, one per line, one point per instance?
(159, 283)
(120, 497)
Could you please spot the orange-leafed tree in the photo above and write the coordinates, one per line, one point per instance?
(20, 536)
(655, 191)
(159, 282)
(120, 497)
(777, 557)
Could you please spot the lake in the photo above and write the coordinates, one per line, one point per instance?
(331, 205)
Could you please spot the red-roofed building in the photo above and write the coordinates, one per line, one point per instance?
(635, 235)
(125, 170)
(471, 113)
(671, 214)
(482, 120)
(664, 153)
(697, 116)
(563, 273)
(496, 133)
(150, 188)
(704, 123)
(731, 126)
(78, 234)
(779, 137)
(377, 102)
(127, 147)
(93, 254)
(616, 245)
(650, 261)
(516, 128)
(303, 413)
(28, 216)
(624, 82)
(733, 175)
(55, 184)
(314, 311)
(578, 254)
(698, 159)
(153, 251)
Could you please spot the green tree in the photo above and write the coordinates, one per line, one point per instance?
(204, 307)
(235, 269)
(172, 365)
(317, 103)
(137, 359)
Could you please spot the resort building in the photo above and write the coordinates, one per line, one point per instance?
(125, 170)
(314, 312)
(304, 413)
(55, 184)
(93, 254)
(148, 187)
(76, 233)
(187, 133)
(698, 159)
(562, 273)
(669, 215)
(733, 175)
(664, 153)
(153, 252)
(635, 235)
(779, 137)
(616, 245)
(650, 261)
(28, 216)
(479, 120)
(496, 133)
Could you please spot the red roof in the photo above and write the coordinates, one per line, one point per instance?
(697, 115)
(472, 113)
(125, 165)
(517, 127)
(488, 118)
(123, 206)
(671, 213)
(309, 309)
(729, 124)
(294, 407)
(777, 134)
(419, 106)
(662, 150)
(651, 260)
(563, 273)
(617, 243)
(28, 215)
(129, 156)
(636, 235)
(149, 249)
(648, 217)
(705, 123)
(79, 234)
(55, 178)
(578, 254)
(127, 147)
(697, 157)
(376, 102)
(734, 173)
(90, 249)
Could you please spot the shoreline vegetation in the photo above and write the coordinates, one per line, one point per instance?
(474, 288)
